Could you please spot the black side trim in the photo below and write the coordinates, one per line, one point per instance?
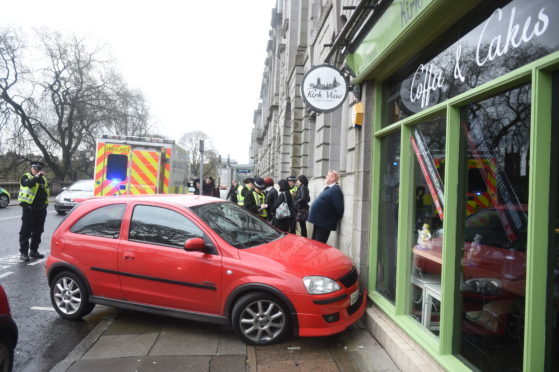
(187, 284)
(330, 300)
(255, 287)
(164, 311)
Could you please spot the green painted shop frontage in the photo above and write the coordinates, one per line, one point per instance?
(464, 110)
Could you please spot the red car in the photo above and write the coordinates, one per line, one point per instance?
(204, 259)
(8, 334)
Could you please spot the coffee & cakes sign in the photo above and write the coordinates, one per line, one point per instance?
(324, 88)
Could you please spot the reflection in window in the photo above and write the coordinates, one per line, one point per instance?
(162, 226)
(236, 225)
(388, 216)
(428, 143)
(104, 222)
(497, 132)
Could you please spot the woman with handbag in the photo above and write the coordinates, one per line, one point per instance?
(283, 210)
(302, 200)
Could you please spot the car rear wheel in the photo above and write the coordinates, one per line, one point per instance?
(260, 319)
(69, 296)
(4, 201)
(6, 354)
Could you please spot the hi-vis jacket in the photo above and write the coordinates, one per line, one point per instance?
(27, 194)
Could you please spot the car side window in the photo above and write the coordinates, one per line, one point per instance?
(104, 222)
(162, 226)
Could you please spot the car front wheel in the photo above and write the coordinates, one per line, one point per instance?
(260, 319)
(69, 296)
(4, 201)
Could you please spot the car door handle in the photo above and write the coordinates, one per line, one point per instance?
(129, 256)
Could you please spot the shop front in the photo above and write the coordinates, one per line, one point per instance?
(464, 254)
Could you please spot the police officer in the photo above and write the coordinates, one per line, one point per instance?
(260, 207)
(245, 191)
(34, 198)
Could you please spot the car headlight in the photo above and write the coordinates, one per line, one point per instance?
(320, 285)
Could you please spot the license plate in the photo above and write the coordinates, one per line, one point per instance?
(354, 297)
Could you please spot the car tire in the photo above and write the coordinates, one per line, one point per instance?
(260, 319)
(6, 354)
(69, 296)
(4, 201)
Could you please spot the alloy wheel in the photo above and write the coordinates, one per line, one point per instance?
(262, 321)
(3, 201)
(67, 295)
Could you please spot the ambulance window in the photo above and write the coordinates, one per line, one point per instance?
(117, 167)
(475, 181)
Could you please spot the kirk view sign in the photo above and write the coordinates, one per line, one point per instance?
(324, 88)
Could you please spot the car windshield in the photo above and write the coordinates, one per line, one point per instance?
(85, 185)
(236, 225)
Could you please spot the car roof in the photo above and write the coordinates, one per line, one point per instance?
(180, 200)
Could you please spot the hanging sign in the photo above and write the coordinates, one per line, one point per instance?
(324, 88)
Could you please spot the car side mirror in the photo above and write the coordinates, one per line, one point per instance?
(194, 244)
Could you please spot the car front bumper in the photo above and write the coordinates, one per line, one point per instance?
(312, 317)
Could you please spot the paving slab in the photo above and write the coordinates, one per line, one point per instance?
(187, 338)
(367, 353)
(228, 363)
(121, 346)
(230, 344)
(173, 363)
(130, 322)
(104, 365)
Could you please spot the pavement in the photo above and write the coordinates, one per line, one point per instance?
(132, 341)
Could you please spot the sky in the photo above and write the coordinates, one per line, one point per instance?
(199, 64)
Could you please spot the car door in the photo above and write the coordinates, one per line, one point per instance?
(92, 245)
(155, 269)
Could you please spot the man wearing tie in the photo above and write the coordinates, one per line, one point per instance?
(327, 209)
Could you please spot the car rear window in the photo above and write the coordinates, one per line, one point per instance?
(104, 222)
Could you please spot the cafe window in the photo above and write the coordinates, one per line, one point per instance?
(428, 143)
(552, 350)
(388, 216)
(493, 254)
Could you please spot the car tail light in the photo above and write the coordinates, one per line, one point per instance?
(4, 306)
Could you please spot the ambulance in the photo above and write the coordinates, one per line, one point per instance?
(138, 165)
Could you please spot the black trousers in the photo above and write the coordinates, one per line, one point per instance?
(32, 226)
(320, 234)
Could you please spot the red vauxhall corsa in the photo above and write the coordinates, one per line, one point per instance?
(204, 259)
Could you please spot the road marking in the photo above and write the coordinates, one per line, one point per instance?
(10, 218)
(5, 274)
(43, 308)
(4, 267)
(36, 262)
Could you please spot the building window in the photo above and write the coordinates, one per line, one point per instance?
(388, 216)
(493, 265)
(428, 142)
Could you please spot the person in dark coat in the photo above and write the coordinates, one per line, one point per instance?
(302, 199)
(283, 195)
(208, 188)
(232, 194)
(196, 186)
(271, 195)
(246, 193)
(327, 209)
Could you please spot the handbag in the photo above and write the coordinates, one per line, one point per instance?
(283, 211)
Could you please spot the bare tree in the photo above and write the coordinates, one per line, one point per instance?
(59, 108)
(191, 142)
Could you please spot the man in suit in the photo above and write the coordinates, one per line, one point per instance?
(327, 209)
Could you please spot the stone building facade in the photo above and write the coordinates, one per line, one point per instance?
(289, 139)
